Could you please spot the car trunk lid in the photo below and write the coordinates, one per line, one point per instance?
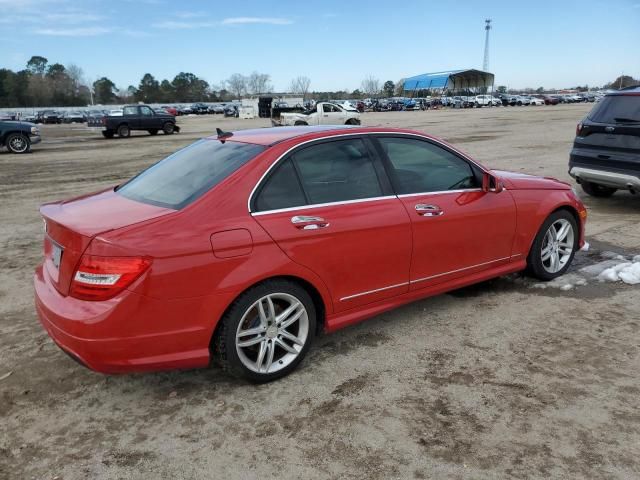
(71, 225)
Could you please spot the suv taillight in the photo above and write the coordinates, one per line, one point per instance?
(578, 129)
(101, 278)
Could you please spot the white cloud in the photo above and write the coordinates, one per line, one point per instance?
(254, 20)
(72, 17)
(72, 32)
(173, 25)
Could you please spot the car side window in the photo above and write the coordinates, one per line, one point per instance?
(326, 108)
(146, 111)
(419, 166)
(129, 111)
(281, 190)
(337, 171)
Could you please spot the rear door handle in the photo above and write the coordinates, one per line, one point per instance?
(305, 222)
(427, 210)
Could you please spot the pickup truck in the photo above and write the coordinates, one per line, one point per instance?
(18, 136)
(134, 117)
(323, 113)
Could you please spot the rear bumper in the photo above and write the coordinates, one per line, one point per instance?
(607, 178)
(129, 333)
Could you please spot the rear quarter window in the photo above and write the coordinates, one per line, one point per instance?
(186, 175)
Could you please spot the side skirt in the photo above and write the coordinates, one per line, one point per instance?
(350, 317)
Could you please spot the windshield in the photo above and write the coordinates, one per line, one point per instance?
(186, 175)
(617, 109)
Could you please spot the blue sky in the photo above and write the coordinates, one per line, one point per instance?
(336, 43)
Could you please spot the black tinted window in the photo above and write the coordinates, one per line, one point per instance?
(617, 109)
(420, 166)
(337, 171)
(281, 190)
(184, 176)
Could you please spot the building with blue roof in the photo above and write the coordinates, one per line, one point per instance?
(453, 80)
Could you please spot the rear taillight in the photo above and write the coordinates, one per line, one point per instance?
(578, 129)
(101, 278)
(104, 120)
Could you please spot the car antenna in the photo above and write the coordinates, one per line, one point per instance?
(222, 134)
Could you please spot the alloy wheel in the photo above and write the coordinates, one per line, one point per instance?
(272, 333)
(557, 246)
(18, 144)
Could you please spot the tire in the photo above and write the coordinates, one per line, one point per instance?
(252, 361)
(107, 133)
(352, 121)
(596, 190)
(153, 131)
(168, 128)
(550, 256)
(300, 123)
(124, 131)
(18, 143)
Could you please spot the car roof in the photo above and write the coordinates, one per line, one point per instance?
(274, 135)
(635, 90)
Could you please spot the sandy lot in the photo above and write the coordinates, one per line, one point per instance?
(500, 380)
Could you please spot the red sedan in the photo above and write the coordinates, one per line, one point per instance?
(242, 246)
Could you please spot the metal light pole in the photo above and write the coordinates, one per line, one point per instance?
(487, 27)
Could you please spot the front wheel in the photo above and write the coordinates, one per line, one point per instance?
(18, 143)
(554, 246)
(596, 190)
(266, 332)
(168, 128)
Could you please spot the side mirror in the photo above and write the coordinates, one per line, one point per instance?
(491, 183)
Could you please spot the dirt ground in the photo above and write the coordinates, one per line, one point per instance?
(499, 380)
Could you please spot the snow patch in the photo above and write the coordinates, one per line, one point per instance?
(626, 272)
(585, 247)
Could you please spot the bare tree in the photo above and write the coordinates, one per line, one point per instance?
(371, 85)
(237, 84)
(300, 85)
(76, 75)
(258, 83)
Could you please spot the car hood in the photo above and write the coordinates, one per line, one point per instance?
(17, 122)
(523, 181)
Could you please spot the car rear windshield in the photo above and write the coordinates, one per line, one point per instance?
(617, 109)
(186, 175)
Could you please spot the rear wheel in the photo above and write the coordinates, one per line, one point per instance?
(124, 131)
(266, 332)
(554, 246)
(18, 143)
(168, 128)
(596, 190)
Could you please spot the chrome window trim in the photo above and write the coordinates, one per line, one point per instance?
(439, 192)
(354, 134)
(320, 205)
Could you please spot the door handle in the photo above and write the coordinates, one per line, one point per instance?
(304, 222)
(429, 210)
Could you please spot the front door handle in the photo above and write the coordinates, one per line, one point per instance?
(427, 210)
(305, 222)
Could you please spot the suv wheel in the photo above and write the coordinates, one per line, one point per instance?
(596, 190)
(168, 128)
(266, 332)
(18, 143)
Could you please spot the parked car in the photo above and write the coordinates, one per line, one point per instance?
(242, 246)
(184, 110)
(217, 109)
(199, 108)
(482, 100)
(324, 113)
(606, 151)
(171, 110)
(135, 117)
(116, 112)
(231, 110)
(535, 101)
(18, 136)
(73, 117)
(28, 117)
(522, 100)
(48, 117)
(4, 116)
(550, 100)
